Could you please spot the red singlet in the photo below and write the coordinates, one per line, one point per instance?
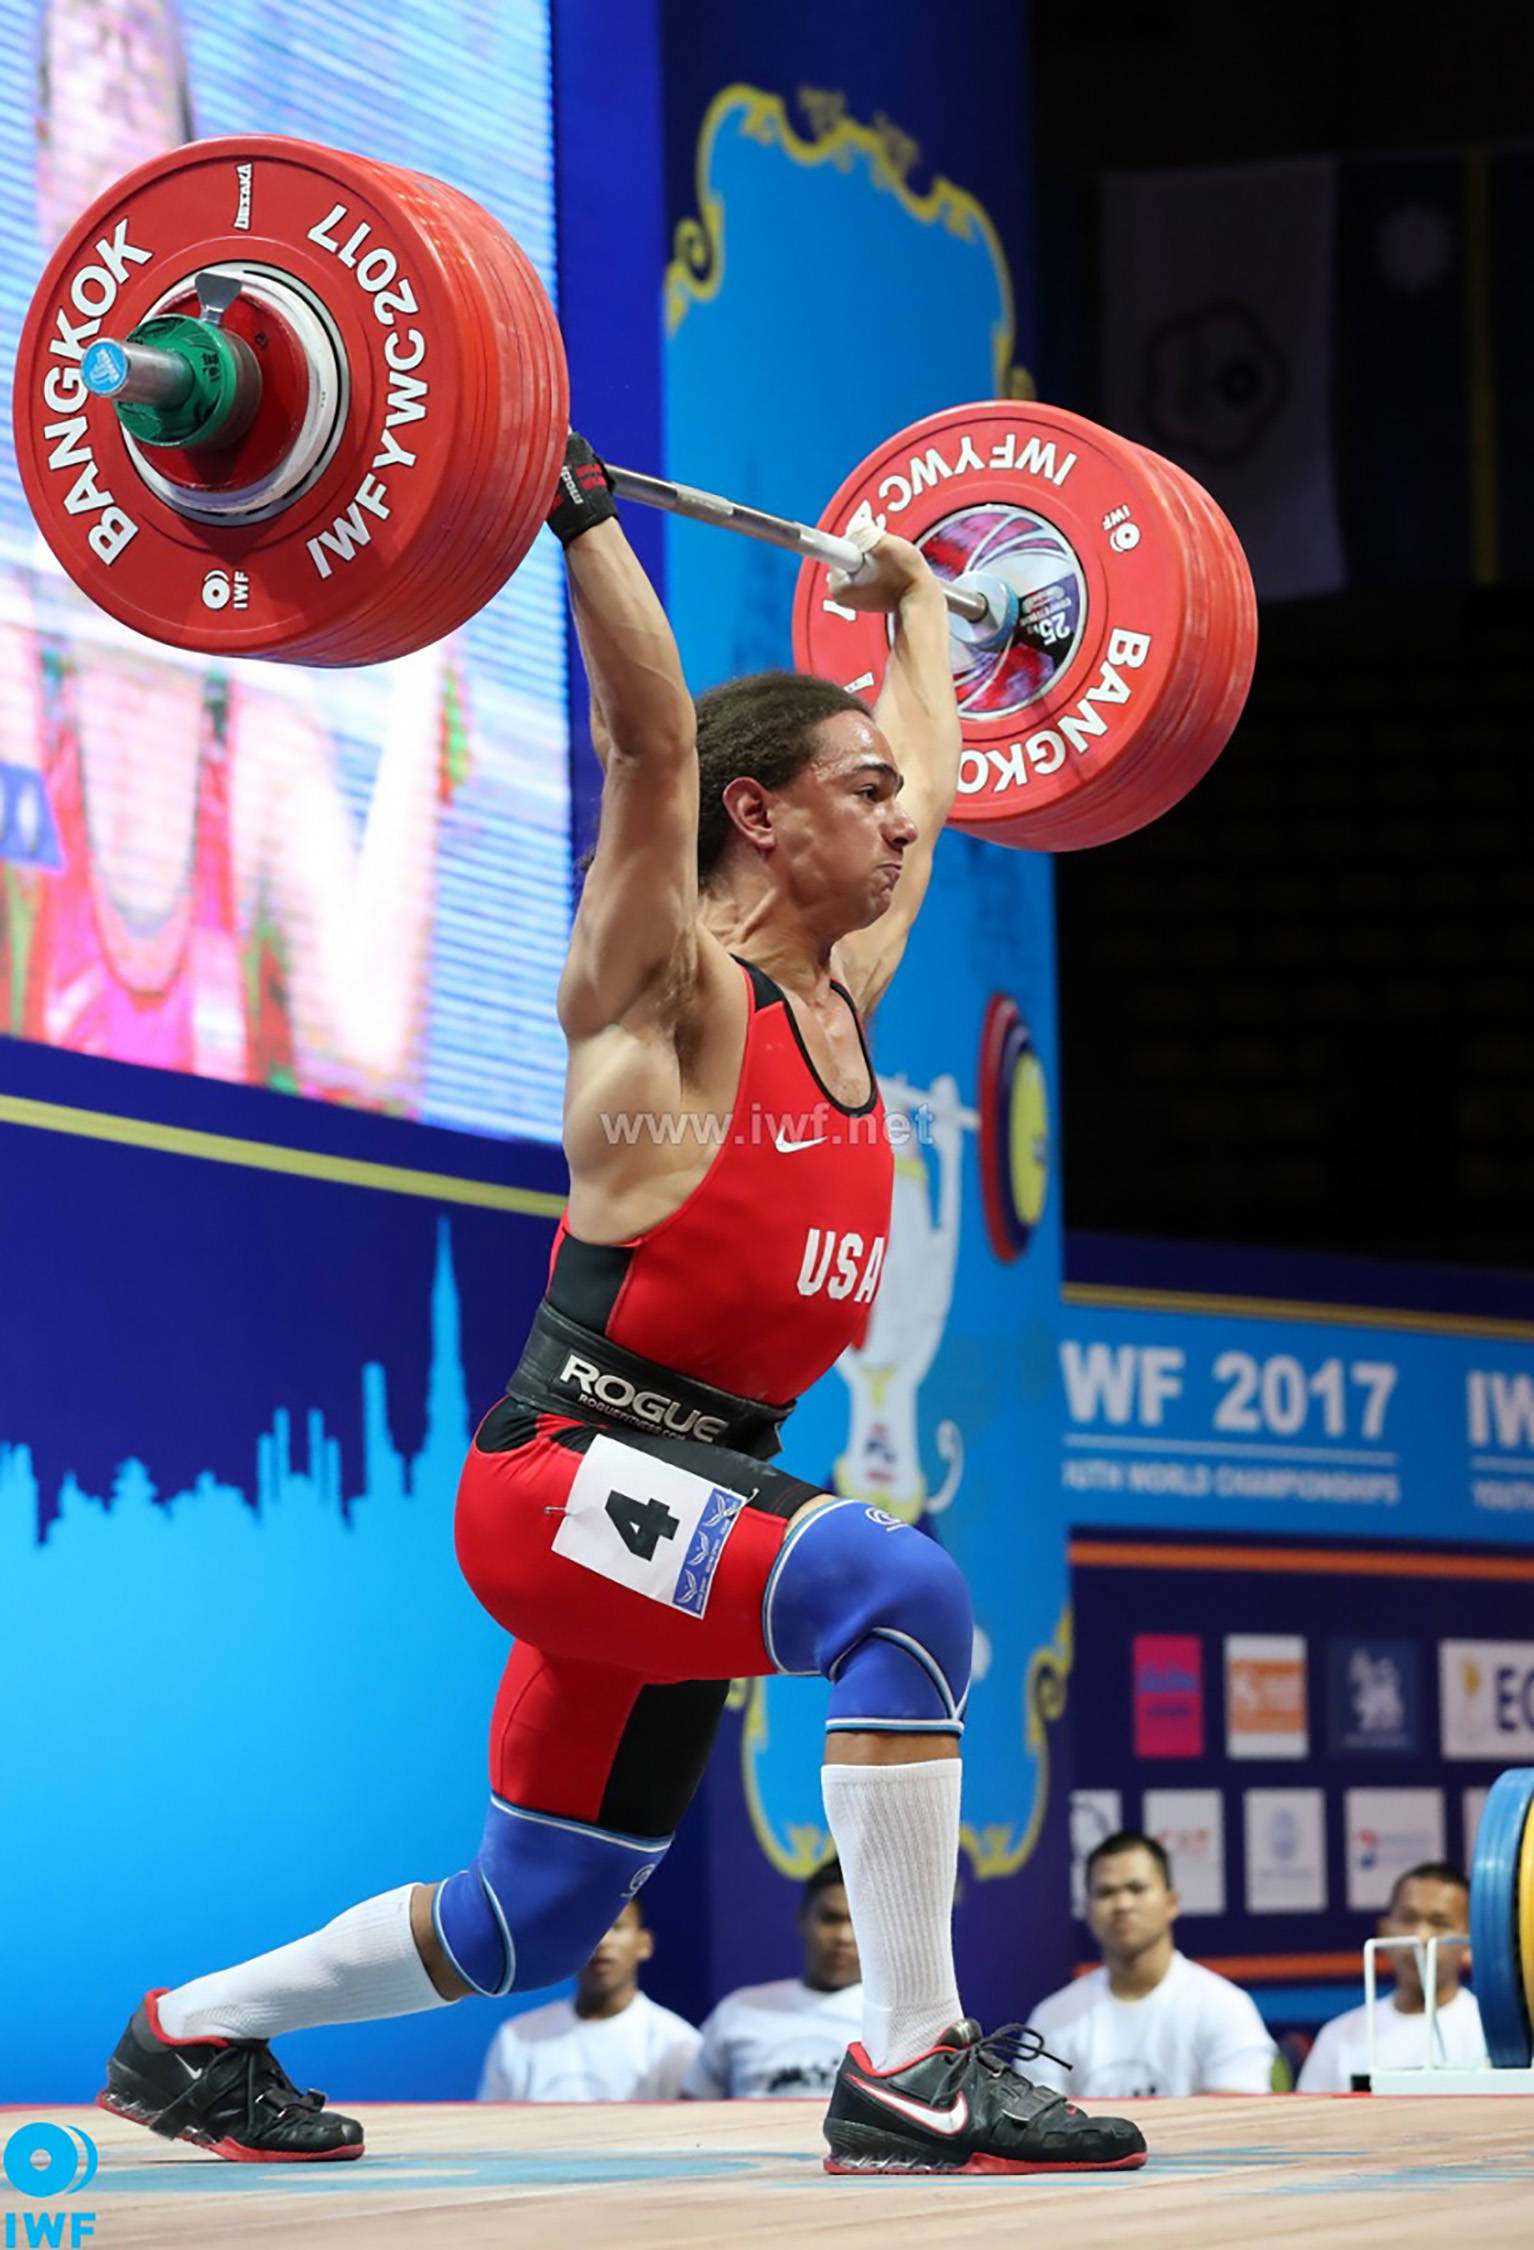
(769, 1269)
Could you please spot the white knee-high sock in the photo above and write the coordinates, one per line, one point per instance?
(362, 1965)
(897, 1835)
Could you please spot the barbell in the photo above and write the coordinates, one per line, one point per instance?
(275, 400)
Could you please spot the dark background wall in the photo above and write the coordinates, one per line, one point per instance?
(1297, 1012)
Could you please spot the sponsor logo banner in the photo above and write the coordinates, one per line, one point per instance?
(1374, 1701)
(1169, 1695)
(1486, 1700)
(1389, 1830)
(1095, 1814)
(1265, 1696)
(1190, 1826)
(1285, 1851)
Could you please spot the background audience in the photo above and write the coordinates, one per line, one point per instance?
(1430, 1900)
(612, 2043)
(790, 2036)
(1149, 2021)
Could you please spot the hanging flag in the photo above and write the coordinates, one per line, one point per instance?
(1218, 334)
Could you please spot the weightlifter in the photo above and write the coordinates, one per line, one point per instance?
(761, 859)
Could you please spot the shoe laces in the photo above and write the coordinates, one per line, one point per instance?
(1012, 2044)
(249, 2072)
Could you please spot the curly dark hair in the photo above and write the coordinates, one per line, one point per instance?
(762, 726)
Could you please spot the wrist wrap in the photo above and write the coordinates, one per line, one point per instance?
(583, 495)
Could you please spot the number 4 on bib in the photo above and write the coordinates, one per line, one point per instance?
(641, 1524)
(671, 1523)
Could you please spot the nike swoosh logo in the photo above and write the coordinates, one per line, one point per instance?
(945, 2121)
(790, 1148)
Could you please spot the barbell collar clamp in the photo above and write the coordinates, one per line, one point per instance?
(138, 374)
(178, 382)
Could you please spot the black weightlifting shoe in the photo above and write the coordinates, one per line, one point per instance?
(229, 2095)
(962, 2107)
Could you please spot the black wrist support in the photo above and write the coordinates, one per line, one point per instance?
(583, 495)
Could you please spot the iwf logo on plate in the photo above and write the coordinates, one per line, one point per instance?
(46, 2162)
(1486, 1699)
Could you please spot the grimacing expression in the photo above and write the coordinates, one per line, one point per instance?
(830, 1949)
(1129, 1906)
(842, 821)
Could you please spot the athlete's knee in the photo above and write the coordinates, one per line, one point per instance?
(882, 1611)
(536, 1899)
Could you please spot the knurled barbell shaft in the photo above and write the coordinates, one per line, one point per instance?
(777, 531)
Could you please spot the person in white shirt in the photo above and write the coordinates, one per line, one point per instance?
(788, 2037)
(612, 2044)
(1149, 2021)
(1429, 1900)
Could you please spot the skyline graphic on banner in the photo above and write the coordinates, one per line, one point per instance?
(280, 1482)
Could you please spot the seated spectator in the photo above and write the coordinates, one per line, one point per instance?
(612, 2044)
(1149, 2021)
(788, 2037)
(1431, 1900)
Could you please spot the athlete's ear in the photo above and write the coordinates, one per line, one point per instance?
(750, 809)
(645, 1949)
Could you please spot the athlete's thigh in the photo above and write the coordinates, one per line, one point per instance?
(647, 1554)
(588, 1742)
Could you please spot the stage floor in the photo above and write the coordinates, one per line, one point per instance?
(1332, 2174)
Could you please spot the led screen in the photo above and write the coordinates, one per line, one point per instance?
(349, 884)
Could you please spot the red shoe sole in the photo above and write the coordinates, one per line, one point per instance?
(974, 2165)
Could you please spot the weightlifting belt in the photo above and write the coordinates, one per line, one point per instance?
(571, 1370)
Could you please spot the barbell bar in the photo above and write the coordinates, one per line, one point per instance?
(371, 432)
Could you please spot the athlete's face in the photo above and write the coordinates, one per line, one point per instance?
(1426, 1908)
(841, 829)
(611, 1976)
(1129, 1906)
(830, 1949)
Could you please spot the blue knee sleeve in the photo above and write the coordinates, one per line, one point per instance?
(882, 1611)
(540, 1893)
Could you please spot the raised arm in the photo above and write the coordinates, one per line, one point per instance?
(919, 718)
(633, 946)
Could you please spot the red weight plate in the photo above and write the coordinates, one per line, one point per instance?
(1152, 782)
(1196, 716)
(410, 610)
(337, 230)
(1001, 1035)
(1067, 513)
(1226, 670)
(1123, 795)
(513, 467)
(532, 388)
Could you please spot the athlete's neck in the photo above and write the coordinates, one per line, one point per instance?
(756, 923)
